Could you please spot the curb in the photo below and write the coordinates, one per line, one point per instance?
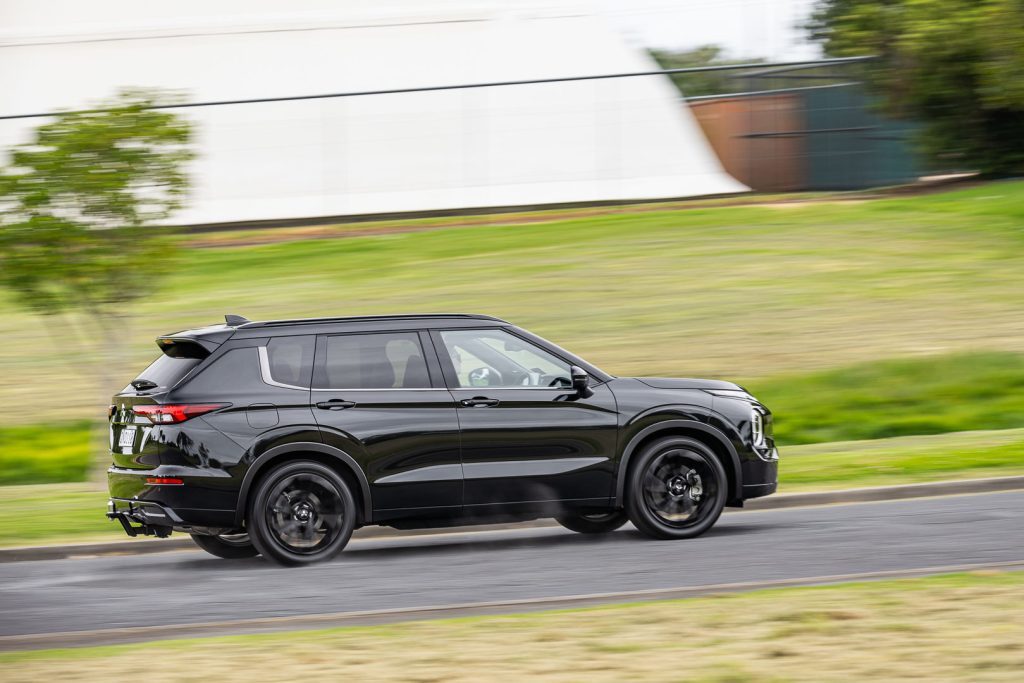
(775, 502)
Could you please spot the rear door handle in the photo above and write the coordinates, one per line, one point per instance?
(335, 404)
(479, 402)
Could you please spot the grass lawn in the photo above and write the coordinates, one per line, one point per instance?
(939, 394)
(737, 292)
(946, 628)
(53, 513)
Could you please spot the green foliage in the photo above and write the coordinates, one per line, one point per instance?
(701, 82)
(79, 201)
(952, 393)
(954, 64)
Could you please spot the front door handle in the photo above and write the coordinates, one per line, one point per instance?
(479, 402)
(335, 404)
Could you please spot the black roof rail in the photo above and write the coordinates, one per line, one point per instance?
(359, 318)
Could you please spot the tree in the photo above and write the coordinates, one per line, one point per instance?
(79, 209)
(700, 82)
(954, 65)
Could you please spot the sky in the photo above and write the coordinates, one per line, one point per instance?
(746, 28)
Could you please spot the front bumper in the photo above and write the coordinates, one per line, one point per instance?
(761, 474)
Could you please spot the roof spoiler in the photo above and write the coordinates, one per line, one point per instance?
(234, 320)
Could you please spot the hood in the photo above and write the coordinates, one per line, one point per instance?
(688, 383)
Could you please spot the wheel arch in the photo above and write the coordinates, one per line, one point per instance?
(706, 434)
(338, 460)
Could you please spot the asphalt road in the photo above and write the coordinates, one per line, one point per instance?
(190, 587)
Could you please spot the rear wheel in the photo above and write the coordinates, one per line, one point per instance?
(596, 523)
(676, 489)
(302, 512)
(228, 546)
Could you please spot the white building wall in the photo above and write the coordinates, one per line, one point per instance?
(520, 145)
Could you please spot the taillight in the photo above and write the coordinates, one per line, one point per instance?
(175, 413)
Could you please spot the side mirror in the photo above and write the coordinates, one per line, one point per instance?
(580, 382)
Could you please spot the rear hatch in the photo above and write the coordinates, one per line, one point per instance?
(130, 445)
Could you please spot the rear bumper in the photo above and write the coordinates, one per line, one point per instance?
(185, 507)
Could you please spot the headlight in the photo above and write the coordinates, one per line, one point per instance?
(757, 427)
(731, 393)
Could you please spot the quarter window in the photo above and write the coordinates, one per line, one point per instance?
(391, 360)
(290, 359)
(495, 358)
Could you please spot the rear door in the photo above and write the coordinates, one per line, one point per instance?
(380, 397)
(527, 439)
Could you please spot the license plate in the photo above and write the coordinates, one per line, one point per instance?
(127, 438)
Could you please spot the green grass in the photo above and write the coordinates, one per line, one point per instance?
(950, 628)
(933, 395)
(52, 513)
(736, 292)
(902, 460)
(875, 400)
(55, 513)
(39, 454)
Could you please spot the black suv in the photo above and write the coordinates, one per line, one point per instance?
(281, 437)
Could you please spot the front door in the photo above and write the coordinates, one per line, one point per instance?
(381, 399)
(528, 440)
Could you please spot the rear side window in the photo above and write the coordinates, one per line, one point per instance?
(392, 360)
(237, 371)
(166, 371)
(290, 360)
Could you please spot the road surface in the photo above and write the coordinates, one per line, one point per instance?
(395, 575)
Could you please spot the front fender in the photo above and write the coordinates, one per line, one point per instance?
(668, 427)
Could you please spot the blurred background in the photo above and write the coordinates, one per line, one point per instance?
(814, 198)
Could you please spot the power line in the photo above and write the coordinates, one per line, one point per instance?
(465, 86)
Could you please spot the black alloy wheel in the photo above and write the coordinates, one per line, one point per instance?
(593, 523)
(676, 489)
(227, 546)
(302, 512)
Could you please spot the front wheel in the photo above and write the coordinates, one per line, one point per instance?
(228, 546)
(302, 512)
(676, 489)
(596, 523)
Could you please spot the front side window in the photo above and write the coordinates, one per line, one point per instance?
(495, 358)
(392, 360)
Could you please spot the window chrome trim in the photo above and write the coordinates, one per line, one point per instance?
(265, 372)
(383, 389)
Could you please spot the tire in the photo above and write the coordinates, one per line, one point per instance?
(234, 547)
(301, 512)
(599, 523)
(676, 489)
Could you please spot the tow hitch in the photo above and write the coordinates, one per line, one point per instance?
(133, 514)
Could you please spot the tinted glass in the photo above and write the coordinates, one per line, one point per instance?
(236, 371)
(495, 358)
(165, 371)
(373, 361)
(291, 359)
